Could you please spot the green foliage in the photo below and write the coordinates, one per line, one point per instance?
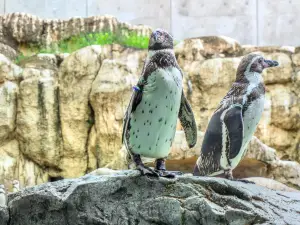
(74, 43)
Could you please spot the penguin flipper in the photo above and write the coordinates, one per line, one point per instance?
(187, 120)
(234, 123)
(135, 100)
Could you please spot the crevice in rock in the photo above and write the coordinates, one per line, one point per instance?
(91, 122)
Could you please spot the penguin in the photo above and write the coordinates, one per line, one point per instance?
(235, 120)
(3, 196)
(157, 101)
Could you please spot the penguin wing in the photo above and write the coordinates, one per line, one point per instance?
(135, 100)
(187, 120)
(234, 123)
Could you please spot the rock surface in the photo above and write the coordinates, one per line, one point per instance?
(128, 198)
(4, 216)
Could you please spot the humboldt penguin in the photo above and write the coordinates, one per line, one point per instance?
(235, 120)
(157, 101)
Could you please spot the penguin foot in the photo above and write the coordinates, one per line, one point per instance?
(166, 174)
(147, 171)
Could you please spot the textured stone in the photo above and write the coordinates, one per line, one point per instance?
(38, 120)
(259, 151)
(280, 74)
(211, 80)
(296, 59)
(285, 108)
(9, 156)
(109, 98)
(8, 51)
(268, 49)
(47, 32)
(286, 172)
(8, 70)
(76, 75)
(8, 109)
(271, 184)
(185, 200)
(14, 166)
(40, 61)
(4, 215)
(193, 49)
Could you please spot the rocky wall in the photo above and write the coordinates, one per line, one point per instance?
(61, 115)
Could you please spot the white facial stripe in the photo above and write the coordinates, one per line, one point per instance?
(252, 61)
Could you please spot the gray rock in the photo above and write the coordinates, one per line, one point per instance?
(4, 216)
(127, 198)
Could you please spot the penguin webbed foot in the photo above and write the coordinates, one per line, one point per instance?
(160, 168)
(167, 174)
(147, 171)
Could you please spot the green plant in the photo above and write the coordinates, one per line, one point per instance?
(71, 44)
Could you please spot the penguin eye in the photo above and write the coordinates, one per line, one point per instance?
(260, 60)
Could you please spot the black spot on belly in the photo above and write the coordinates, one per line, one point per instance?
(136, 136)
(165, 122)
(149, 148)
(145, 102)
(139, 146)
(148, 133)
(150, 111)
(142, 111)
(166, 140)
(149, 104)
(150, 123)
(133, 133)
(171, 92)
(144, 124)
(147, 121)
(171, 108)
(167, 97)
(156, 106)
(160, 119)
(134, 120)
(138, 130)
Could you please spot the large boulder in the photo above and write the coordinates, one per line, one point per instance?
(4, 215)
(8, 109)
(211, 80)
(76, 75)
(128, 198)
(109, 97)
(38, 120)
(8, 70)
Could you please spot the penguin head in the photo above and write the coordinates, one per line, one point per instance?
(253, 64)
(160, 39)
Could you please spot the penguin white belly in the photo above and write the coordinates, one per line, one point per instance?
(153, 124)
(250, 120)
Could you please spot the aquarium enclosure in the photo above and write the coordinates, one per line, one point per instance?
(161, 112)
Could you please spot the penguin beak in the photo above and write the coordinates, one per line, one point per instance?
(270, 63)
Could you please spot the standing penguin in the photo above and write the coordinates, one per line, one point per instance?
(235, 120)
(156, 103)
